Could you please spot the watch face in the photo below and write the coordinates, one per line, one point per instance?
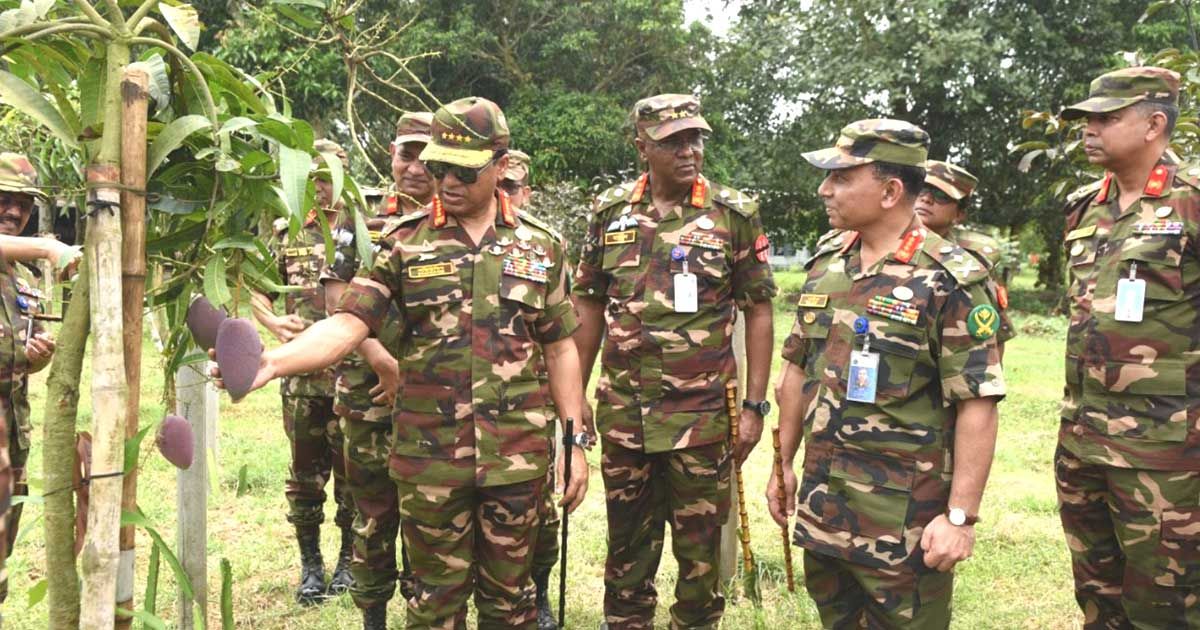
(764, 408)
(958, 516)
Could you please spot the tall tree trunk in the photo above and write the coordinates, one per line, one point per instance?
(134, 96)
(58, 459)
(101, 553)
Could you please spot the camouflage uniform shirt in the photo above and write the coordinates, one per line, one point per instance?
(989, 253)
(301, 258)
(354, 377)
(20, 302)
(876, 473)
(662, 386)
(474, 407)
(1132, 388)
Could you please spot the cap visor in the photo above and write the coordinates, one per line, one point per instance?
(834, 158)
(36, 193)
(470, 158)
(658, 132)
(945, 187)
(412, 137)
(1098, 105)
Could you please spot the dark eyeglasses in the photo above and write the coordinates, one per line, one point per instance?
(937, 194)
(676, 142)
(511, 186)
(464, 174)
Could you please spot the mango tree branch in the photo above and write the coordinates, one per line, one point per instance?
(92, 14)
(37, 26)
(135, 20)
(210, 106)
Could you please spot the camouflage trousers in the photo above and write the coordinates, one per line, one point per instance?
(18, 451)
(377, 511)
(317, 446)
(545, 550)
(1134, 537)
(850, 595)
(471, 539)
(689, 488)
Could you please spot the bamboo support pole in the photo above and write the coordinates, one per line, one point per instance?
(781, 491)
(135, 96)
(731, 404)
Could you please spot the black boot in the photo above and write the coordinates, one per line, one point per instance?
(375, 617)
(312, 568)
(342, 579)
(546, 620)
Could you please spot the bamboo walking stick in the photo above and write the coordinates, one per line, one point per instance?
(781, 489)
(749, 573)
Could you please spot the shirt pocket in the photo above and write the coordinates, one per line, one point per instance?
(426, 422)
(433, 306)
(1156, 388)
(622, 263)
(1158, 259)
(525, 414)
(522, 303)
(868, 495)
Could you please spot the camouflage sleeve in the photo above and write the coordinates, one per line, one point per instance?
(590, 279)
(558, 319)
(345, 257)
(365, 301)
(752, 278)
(968, 356)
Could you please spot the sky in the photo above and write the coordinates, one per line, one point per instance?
(719, 15)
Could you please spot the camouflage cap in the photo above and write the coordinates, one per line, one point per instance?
(413, 127)
(1121, 88)
(950, 179)
(518, 166)
(329, 146)
(874, 140)
(659, 116)
(18, 175)
(466, 132)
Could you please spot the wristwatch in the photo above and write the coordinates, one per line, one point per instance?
(958, 517)
(762, 407)
(584, 440)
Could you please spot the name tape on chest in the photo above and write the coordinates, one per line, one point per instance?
(813, 300)
(420, 272)
(1082, 232)
(893, 309)
(294, 252)
(376, 235)
(1158, 227)
(620, 238)
(520, 267)
(706, 241)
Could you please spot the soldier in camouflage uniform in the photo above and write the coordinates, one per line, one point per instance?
(942, 207)
(516, 183)
(485, 347)
(308, 418)
(668, 262)
(364, 406)
(891, 376)
(1128, 459)
(25, 347)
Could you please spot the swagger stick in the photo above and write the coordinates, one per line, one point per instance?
(749, 574)
(568, 443)
(781, 490)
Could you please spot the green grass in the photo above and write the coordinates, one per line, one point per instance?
(1019, 577)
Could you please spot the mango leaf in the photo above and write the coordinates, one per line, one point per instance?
(293, 175)
(320, 4)
(24, 97)
(181, 576)
(133, 447)
(336, 175)
(216, 285)
(298, 17)
(37, 592)
(42, 7)
(150, 602)
(24, 14)
(237, 123)
(172, 136)
(239, 241)
(148, 619)
(362, 237)
(1027, 161)
(184, 20)
(160, 84)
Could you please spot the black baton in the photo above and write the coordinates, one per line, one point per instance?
(568, 443)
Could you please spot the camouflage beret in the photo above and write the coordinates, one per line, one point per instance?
(518, 166)
(414, 127)
(1121, 88)
(329, 146)
(659, 116)
(874, 140)
(466, 132)
(18, 175)
(953, 180)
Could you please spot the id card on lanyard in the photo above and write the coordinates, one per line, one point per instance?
(863, 379)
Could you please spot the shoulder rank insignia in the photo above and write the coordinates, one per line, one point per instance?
(982, 322)
(420, 272)
(893, 309)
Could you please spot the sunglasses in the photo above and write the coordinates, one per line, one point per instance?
(463, 174)
(937, 194)
(675, 143)
(511, 187)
